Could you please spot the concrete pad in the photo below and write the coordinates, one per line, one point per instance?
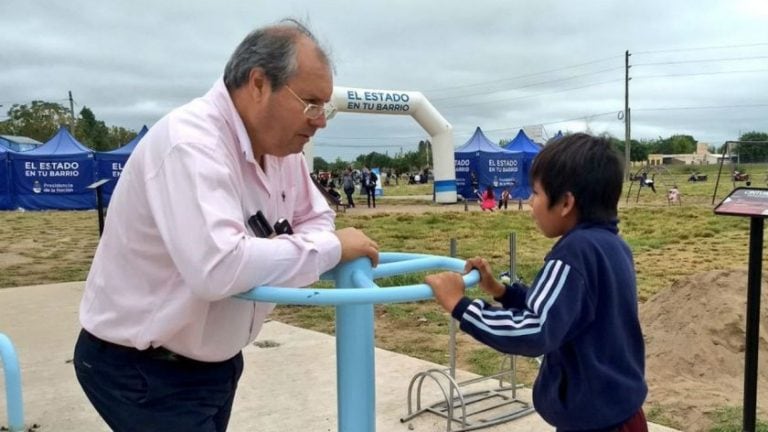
(289, 383)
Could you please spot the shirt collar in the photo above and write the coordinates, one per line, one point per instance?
(223, 101)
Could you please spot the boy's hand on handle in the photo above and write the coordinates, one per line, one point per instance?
(487, 282)
(355, 244)
(448, 288)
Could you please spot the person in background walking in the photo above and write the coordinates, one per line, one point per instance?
(348, 184)
(369, 183)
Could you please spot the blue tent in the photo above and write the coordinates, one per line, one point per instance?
(18, 143)
(529, 149)
(54, 176)
(6, 203)
(491, 164)
(109, 165)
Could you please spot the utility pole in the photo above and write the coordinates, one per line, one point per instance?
(627, 116)
(72, 113)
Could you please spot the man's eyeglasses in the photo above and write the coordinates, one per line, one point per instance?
(313, 111)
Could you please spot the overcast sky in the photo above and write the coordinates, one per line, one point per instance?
(698, 67)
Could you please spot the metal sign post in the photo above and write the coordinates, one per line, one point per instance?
(99, 201)
(753, 203)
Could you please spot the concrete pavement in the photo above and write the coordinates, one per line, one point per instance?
(289, 382)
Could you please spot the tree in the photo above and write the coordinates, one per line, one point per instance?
(425, 153)
(638, 150)
(320, 164)
(677, 144)
(92, 132)
(375, 160)
(39, 120)
(120, 136)
(757, 152)
(338, 166)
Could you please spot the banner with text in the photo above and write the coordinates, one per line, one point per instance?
(475, 172)
(53, 182)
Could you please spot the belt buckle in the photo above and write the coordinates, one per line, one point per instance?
(167, 355)
(171, 356)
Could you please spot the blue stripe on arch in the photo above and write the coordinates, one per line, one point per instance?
(445, 185)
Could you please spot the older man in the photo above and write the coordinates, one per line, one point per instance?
(192, 222)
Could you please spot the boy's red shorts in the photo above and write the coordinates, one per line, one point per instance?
(636, 423)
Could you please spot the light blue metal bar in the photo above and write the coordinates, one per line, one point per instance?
(12, 385)
(355, 360)
(354, 297)
(342, 295)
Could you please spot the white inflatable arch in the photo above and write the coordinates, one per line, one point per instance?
(414, 104)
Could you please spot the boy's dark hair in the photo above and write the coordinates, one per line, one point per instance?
(586, 166)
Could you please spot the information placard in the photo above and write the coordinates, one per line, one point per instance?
(745, 202)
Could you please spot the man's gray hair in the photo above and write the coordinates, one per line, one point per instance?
(271, 49)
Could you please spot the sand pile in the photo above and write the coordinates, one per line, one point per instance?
(694, 335)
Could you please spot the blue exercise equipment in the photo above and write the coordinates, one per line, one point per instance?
(12, 385)
(354, 297)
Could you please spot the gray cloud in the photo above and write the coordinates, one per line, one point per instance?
(499, 65)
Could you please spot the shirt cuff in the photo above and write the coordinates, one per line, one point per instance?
(328, 247)
(514, 296)
(507, 295)
(460, 308)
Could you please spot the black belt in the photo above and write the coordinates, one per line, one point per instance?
(155, 353)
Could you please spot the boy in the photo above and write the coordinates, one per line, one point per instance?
(581, 311)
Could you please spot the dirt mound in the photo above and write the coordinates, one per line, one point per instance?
(694, 335)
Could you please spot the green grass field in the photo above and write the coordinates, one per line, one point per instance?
(669, 243)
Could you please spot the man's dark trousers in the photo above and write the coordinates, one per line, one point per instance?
(155, 389)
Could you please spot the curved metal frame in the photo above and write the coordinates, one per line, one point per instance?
(12, 385)
(354, 297)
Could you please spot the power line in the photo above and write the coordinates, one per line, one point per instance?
(528, 96)
(521, 76)
(533, 84)
(760, 105)
(33, 100)
(698, 73)
(321, 144)
(368, 138)
(582, 117)
(701, 61)
(700, 48)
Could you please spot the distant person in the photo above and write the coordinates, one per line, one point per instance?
(580, 313)
(474, 182)
(504, 198)
(488, 201)
(647, 182)
(162, 339)
(673, 195)
(369, 185)
(348, 184)
(334, 193)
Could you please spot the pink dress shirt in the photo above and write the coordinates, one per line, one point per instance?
(176, 246)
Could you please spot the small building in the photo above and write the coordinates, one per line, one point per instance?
(19, 143)
(701, 156)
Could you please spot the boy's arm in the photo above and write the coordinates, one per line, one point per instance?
(556, 307)
(447, 287)
(514, 296)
